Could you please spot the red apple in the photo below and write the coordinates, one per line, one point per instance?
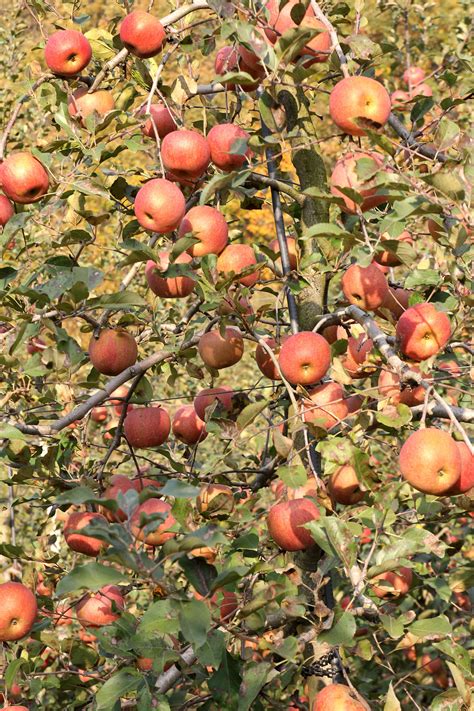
(209, 226)
(118, 484)
(285, 523)
(396, 583)
(67, 52)
(326, 405)
(221, 351)
(430, 461)
(389, 387)
(389, 259)
(99, 414)
(187, 426)
(365, 287)
(293, 252)
(423, 331)
(142, 34)
(229, 59)
(159, 206)
(357, 102)
(23, 178)
(304, 358)
(6, 210)
(185, 153)
(345, 175)
(79, 542)
(336, 697)
(396, 302)
(234, 259)
(97, 609)
(344, 486)
(117, 399)
(215, 501)
(160, 533)
(223, 140)
(83, 104)
(264, 362)
(207, 397)
(466, 478)
(161, 119)
(113, 351)
(147, 426)
(413, 76)
(177, 287)
(280, 21)
(18, 610)
(421, 90)
(399, 99)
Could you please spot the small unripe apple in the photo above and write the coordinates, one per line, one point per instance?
(177, 287)
(286, 520)
(208, 225)
(234, 259)
(185, 153)
(113, 351)
(142, 34)
(430, 461)
(18, 610)
(97, 609)
(161, 119)
(304, 358)
(221, 351)
(187, 426)
(223, 140)
(215, 501)
(365, 287)
(67, 52)
(23, 178)
(357, 102)
(147, 426)
(79, 542)
(159, 206)
(160, 532)
(207, 397)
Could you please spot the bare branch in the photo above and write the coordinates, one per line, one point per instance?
(405, 134)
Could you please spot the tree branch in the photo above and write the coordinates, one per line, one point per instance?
(411, 142)
(16, 111)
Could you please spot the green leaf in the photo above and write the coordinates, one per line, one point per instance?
(91, 576)
(391, 701)
(120, 684)
(212, 651)
(79, 495)
(439, 625)
(121, 298)
(200, 574)
(423, 277)
(195, 621)
(342, 631)
(249, 413)
(392, 625)
(448, 701)
(226, 680)
(400, 416)
(12, 670)
(158, 618)
(179, 489)
(11, 432)
(293, 476)
(255, 676)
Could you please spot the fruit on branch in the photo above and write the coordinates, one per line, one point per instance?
(357, 103)
(356, 360)
(67, 52)
(35, 345)
(387, 258)
(100, 608)
(344, 485)
(153, 532)
(229, 59)
(395, 583)
(207, 397)
(79, 542)
(281, 20)
(215, 501)
(187, 426)
(285, 523)
(221, 350)
(421, 90)
(396, 302)
(117, 399)
(226, 602)
(430, 461)
(466, 478)
(159, 206)
(145, 663)
(23, 178)
(422, 331)
(264, 362)
(304, 358)
(226, 142)
(83, 104)
(293, 252)
(161, 119)
(18, 610)
(336, 697)
(389, 386)
(6, 210)
(113, 351)
(62, 615)
(119, 484)
(177, 287)
(147, 426)
(399, 99)
(185, 153)
(326, 405)
(365, 287)
(142, 34)
(346, 174)
(209, 226)
(99, 414)
(234, 259)
(14, 708)
(413, 76)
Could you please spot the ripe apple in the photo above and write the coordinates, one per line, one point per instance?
(209, 226)
(344, 486)
(159, 206)
(83, 104)
(228, 59)
(430, 461)
(161, 119)
(23, 178)
(67, 52)
(304, 358)
(293, 252)
(225, 141)
(280, 21)
(147, 426)
(221, 351)
(113, 351)
(118, 484)
(14, 708)
(99, 414)
(264, 362)
(207, 397)
(215, 501)
(185, 153)
(389, 259)
(421, 90)
(326, 405)
(413, 76)
(336, 697)
(466, 478)
(399, 99)
(345, 175)
(6, 210)
(97, 609)
(142, 34)
(234, 259)
(177, 287)
(18, 610)
(226, 602)
(389, 387)
(422, 331)
(160, 527)
(285, 523)
(396, 302)
(117, 399)
(357, 102)
(398, 583)
(79, 542)
(187, 426)
(365, 287)
(356, 361)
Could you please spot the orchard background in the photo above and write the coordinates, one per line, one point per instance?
(217, 614)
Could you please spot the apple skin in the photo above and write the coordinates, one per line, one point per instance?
(187, 426)
(88, 545)
(215, 501)
(421, 90)
(430, 461)
(113, 351)
(163, 120)
(161, 534)
(365, 287)
(6, 210)
(336, 697)
(389, 387)
(83, 104)
(264, 362)
(236, 257)
(178, 287)
(304, 358)
(23, 178)
(35, 345)
(118, 484)
(399, 583)
(118, 404)
(185, 153)
(466, 478)
(326, 403)
(399, 99)
(221, 138)
(142, 34)
(422, 331)
(396, 302)
(147, 426)
(389, 259)
(99, 414)
(67, 52)
(280, 21)
(344, 175)
(159, 205)
(285, 521)
(14, 708)
(355, 360)
(208, 396)
(413, 76)
(95, 609)
(219, 351)
(293, 252)
(18, 610)
(229, 59)
(344, 486)
(209, 226)
(359, 97)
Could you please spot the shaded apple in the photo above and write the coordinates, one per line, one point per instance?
(207, 397)
(79, 542)
(285, 523)
(177, 287)
(113, 351)
(161, 118)
(157, 532)
(187, 426)
(219, 350)
(346, 174)
(147, 426)
(226, 141)
(100, 608)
